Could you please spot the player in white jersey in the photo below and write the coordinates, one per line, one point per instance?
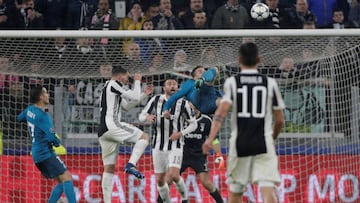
(112, 132)
(168, 141)
(256, 121)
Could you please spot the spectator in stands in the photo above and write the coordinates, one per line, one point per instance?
(309, 25)
(323, 11)
(54, 13)
(278, 16)
(105, 70)
(104, 19)
(4, 13)
(209, 58)
(339, 20)
(200, 20)
(287, 69)
(148, 45)
(187, 18)
(152, 11)
(132, 61)
(157, 61)
(79, 13)
(30, 18)
(231, 15)
(303, 13)
(166, 20)
(180, 62)
(134, 19)
(354, 14)
(4, 69)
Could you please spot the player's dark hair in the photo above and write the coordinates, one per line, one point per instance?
(193, 70)
(118, 70)
(248, 53)
(35, 93)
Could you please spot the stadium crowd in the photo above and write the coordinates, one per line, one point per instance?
(175, 14)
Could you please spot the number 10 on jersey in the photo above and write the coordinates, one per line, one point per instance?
(251, 105)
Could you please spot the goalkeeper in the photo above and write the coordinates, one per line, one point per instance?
(198, 90)
(43, 139)
(194, 158)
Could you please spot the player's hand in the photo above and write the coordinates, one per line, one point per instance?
(151, 118)
(175, 136)
(149, 89)
(137, 76)
(167, 114)
(207, 146)
(219, 159)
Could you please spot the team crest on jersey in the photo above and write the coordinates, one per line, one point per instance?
(202, 127)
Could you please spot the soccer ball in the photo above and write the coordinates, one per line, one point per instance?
(259, 11)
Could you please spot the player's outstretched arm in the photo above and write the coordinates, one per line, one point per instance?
(145, 113)
(184, 89)
(126, 105)
(22, 116)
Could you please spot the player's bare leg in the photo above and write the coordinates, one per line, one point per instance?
(235, 197)
(268, 194)
(163, 187)
(137, 152)
(106, 182)
(213, 191)
(174, 176)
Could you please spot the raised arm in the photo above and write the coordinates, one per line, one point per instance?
(148, 109)
(184, 89)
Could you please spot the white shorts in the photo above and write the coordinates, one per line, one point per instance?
(253, 169)
(163, 160)
(110, 141)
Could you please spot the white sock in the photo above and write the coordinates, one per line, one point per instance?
(107, 186)
(138, 150)
(181, 187)
(164, 193)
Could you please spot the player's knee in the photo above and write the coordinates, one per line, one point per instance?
(145, 136)
(174, 176)
(236, 188)
(109, 168)
(66, 176)
(208, 185)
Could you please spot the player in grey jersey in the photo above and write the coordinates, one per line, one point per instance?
(256, 121)
(112, 132)
(167, 140)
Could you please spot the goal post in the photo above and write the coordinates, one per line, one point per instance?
(317, 72)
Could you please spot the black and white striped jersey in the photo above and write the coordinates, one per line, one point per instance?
(182, 119)
(253, 97)
(114, 99)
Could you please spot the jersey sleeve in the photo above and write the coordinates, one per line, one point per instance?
(184, 89)
(277, 100)
(22, 116)
(227, 97)
(133, 94)
(147, 109)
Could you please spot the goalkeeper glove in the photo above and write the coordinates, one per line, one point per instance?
(219, 160)
(199, 82)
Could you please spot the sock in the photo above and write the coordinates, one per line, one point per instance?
(209, 75)
(164, 193)
(56, 193)
(68, 187)
(107, 186)
(138, 150)
(216, 195)
(180, 186)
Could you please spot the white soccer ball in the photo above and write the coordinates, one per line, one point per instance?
(259, 11)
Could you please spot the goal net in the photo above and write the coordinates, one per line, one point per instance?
(317, 71)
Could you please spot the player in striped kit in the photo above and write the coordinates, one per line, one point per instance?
(167, 141)
(256, 121)
(112, 132)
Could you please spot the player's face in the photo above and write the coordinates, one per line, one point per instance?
(124, 78)
(45, 96)
(170, 87)
(198, 73)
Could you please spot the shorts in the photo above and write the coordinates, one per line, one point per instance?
(163, 160)
(253, 169)
(51, 167)
(110, 141)
(199, 164)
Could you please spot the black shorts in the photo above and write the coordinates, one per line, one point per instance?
(197, 163)
(51, 167)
